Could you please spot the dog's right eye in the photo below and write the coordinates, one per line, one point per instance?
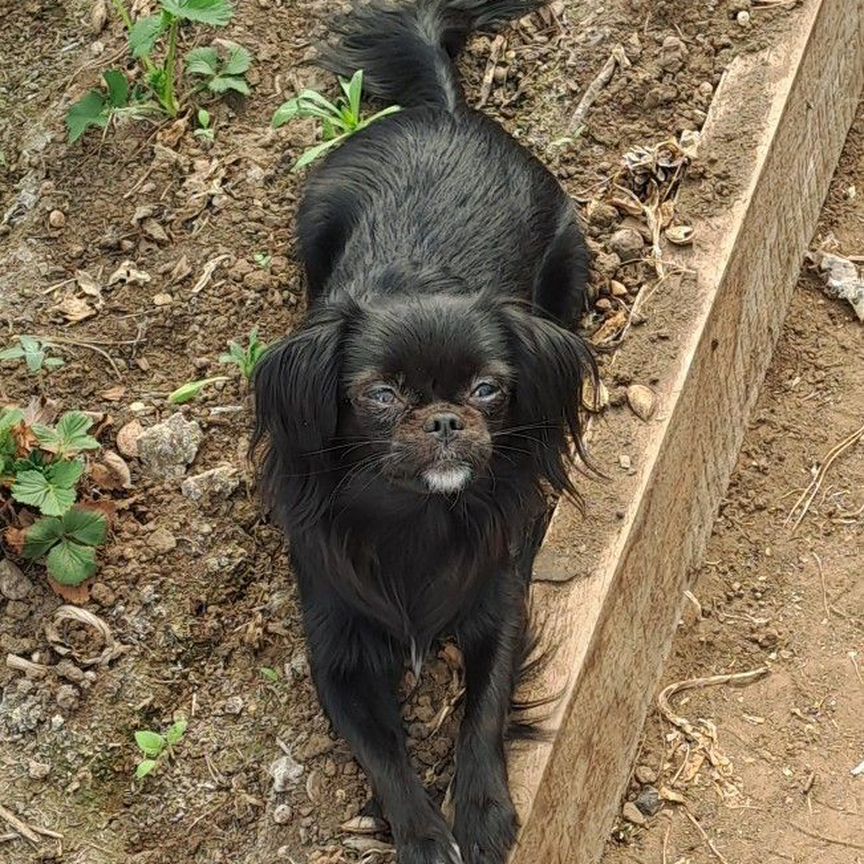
(382, 395)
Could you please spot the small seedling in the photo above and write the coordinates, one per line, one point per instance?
(245, 359)
(98, 106)
(338, 121)
(34, 354)
(156, 747)
(263, 260)
(221, 74)
(271, 676)
(39, 466)
(192, 389)
(205, 128)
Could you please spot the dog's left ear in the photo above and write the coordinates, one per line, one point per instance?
(297, 412)
(552, 365)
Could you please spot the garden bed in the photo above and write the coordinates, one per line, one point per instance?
(198, 592)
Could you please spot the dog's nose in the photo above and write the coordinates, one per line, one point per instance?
(443, 426)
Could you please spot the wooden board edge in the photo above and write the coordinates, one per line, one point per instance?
(619, 623)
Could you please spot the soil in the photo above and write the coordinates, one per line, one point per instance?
(199, 593)
(789, 600)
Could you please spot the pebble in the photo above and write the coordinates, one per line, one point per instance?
(317, 745)
(102, 594)
(315, 784)
(14, 585)
(627, 244)
(97, 48)
(17, 610)
(162, 541)
(648, 801)
(282, 814)
(624, 461)
(220, 481)
(743, 18)
(642, 401)
(162, 299)
(37, 770)
(601, 215)
(233, 705)
(633, 814)
(67, 698)
(617, 289)
(645, 774)
(57, 219)
(286, 773)
(168, 447)
(68, 670)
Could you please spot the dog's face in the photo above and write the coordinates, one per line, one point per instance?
(431, 393)
(427, 385)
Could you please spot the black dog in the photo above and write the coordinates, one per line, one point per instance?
(416, 422)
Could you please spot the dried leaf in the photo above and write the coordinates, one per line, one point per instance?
(74, 309)
(15, 539)
(114, 394)
(610, 329)
(128, 273)
(181, 271)
(77, 594)
(680, 235)
(154, 231)
(127, 438)
(87, 284)
(111, 473)
(592, 401)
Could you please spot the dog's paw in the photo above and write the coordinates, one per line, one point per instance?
(429, 851)
(486, 831)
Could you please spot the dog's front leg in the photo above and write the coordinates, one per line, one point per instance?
(485, 824)
(357, 675)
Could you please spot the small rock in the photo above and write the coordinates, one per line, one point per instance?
(233, 705)
(317, 745)
(601, 215)
(633, 814)
(17, 610)
(67, 697)
(68, 670)
(282, 814)
(624, 461)
(617, 289)
(645, 774)
(57, 219)
(14, 585)
(363, 825)
(102, 594)
(743, 18)
(604, 304)
(168, 447)
(627, 244)
(315, 784)
(648, 801)
(127, 438)
(642, 400)
(258, 280)
(37, 770)
(607, 263)
(220, 481)
(162, 541)
(154, 231)
(672, 54)
(286, 773)
(162, 299)
(97, 48)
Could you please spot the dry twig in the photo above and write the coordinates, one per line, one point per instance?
(19, 825)
(837, 841)
(718, 854)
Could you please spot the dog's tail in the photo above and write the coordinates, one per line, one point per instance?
(407, 51)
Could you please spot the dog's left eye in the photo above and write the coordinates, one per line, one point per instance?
(485, 390)
(383, 395)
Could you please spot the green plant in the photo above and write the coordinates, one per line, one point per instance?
(205, 128)
(338, 121)
(156, 747)
(153, 41)
(221, 74)
(245, 359)
(41, 469)
(271, 676)
(192, 389)
(263, 260)
(34, 353)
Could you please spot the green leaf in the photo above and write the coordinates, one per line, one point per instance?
(285, 113)
(189, 391)
(149, 743)
(10, 417)
(36, 489)
(64, 474)
(269, 674)
(118, 88)
(203, 118)
(202, 61)
(215, 13)
(355, 90)
(145, 34)
(314, 152)
(41, 536)
(86, 112)
(54, 362)
(175, 734)
(239, 60)
(145, 767)
(16, 352)
(224, 83)
(69, 436)
(71, 564)
(88, 527)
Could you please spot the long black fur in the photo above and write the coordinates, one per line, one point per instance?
(433, 245)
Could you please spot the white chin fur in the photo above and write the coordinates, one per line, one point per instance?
(446, 480)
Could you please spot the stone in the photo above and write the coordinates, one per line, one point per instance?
(162, 541)
(648, 801)
(645, 774)
(627, 244)
(68, 670)
(601, 215)
(219, 482)
(102, 594)
(168, 447)
(14, 585)
(282, 814)
(37, 770)
(233, 705)
(315, 785)
(67, 697)
(633, 814)
(317, 745)
(57, 219)
(286, 773)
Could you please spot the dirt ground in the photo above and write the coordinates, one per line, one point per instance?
(199, 593)
(780, 785)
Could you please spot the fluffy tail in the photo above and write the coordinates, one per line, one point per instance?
(407, 50)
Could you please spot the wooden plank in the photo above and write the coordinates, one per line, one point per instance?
(778, 122)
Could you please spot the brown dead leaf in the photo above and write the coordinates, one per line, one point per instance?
(127, 272)
(105, 506)
(181, 271)
(75, 594)
(127, 438)
(118, 467)
(74, 309)
(171, 135)
(610, 329)
(154, 231)
(15, 539)
(87, 284)
(25, 440)
(114, 394)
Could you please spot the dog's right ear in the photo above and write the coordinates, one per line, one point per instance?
(297, 403)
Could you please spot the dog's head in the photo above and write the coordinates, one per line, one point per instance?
(431, 393)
